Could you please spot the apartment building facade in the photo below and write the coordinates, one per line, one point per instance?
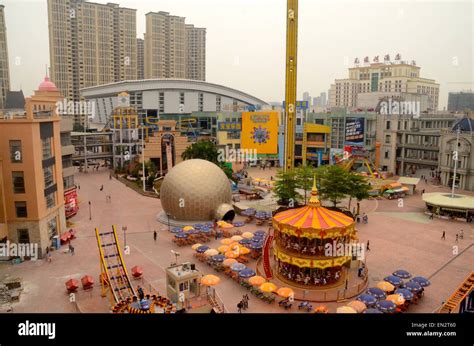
(195, 53)
(140, 59)
(4, 66)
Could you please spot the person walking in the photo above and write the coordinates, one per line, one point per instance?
(368, 246)
(443, 237)
(461, 234)
(102, 188)
(457, 238)
(141, 294)
(431, 216)
(239, 307)
(48, 255)
(154, 235)
(71, 249)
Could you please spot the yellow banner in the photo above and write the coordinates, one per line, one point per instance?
(260, 132)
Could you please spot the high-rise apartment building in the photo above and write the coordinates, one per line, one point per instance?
(90, 44)
(195, 53)
(140, 59)
(461, 101)
(4, 67)
(393, 79)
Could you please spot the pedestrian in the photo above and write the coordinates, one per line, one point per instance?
(422, 191)
(431, 216)
(461, 234)
(48, 255)
(368, 246)
(154, 235)
(71, 249)
(444, 235)
(141, 294)
(101, 187)
(457, 237)
(79, 186)
(110, 176)
(247, 299)
(239, 307)
(359, 272)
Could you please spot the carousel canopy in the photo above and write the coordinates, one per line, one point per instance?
(313, 220)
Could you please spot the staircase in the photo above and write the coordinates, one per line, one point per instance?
(266, 256)
(458, 296)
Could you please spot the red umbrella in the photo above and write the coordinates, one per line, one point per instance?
(87, 282)
(72, 285)
(65, 237)
(137, 271)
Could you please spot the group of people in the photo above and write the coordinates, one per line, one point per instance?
(320, 277)
(459, 235)
(364, 218)
(244, 303)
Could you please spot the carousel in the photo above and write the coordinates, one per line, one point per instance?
(307, 243)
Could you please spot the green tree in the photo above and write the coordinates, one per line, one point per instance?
(333, 183)
(285, 187)
(205, 150)
(359, 188)
(304, 179)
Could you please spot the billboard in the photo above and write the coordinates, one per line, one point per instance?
(260, 132)
(300, 105)
(336, 155)
(354, 131)
(230, 126)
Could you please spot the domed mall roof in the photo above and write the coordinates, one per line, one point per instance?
(313, 220)
(465, 125)
(193, 190)
(47, 85)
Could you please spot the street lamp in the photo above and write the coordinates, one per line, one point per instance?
(90, 212)
(176, 254)
(169, 225)
(124, 228)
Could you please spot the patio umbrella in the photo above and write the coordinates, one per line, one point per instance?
(202, 249)
(268, 287)
(372, 311)
(257, 280)
(424, 282)
(237, 267)
(376, 292)
(367, 299)
(198, 226)
(357, 305)
(385, 286)
(231, 254)
(394, 280)
(176, 230)
(195, 246)
(193, 231)
(402, 274)
(248, 212)
(224, 224)
(218, 258)
(223, 248)
(285, 292)
(386, 306)
(181, 235)
(209, 225)
(236, 238)
(187, 228)
(405, 293)
(205, 230)
(247, 235)
(247, 273)
(137, 271)
(211, 252)
(226, 241)
(72, 285)
(256, 233)
(396, 298)
(239, 224)
(245, 242)
(322, 309)
(345, 310)
(255, 246)
(413, 286)
(229, 261)
(210, 280)
(87, 281)
(244, 251)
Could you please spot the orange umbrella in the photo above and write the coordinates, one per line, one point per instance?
(226, 241)
(210, 280)
(87, 282)
(345, 310)
(385, 286)
(396, 298)
(72, 285)
(137, 271)
(223, 248)
(358, 306)
(285, 292)
(211, 252)
(322, 309)
(257, 280)
(236, 238)
(247, 235)
(231, 254)
(268, 287)
(228, 262)
(188, 228)
(195, 246)
(244, 251)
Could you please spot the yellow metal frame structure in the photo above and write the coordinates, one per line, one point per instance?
(290, 86)
(459, 295)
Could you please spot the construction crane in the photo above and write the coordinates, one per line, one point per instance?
(290, 84)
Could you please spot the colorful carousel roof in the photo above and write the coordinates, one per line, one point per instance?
(313, 220)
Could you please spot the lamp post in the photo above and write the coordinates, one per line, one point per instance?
(176, 255)
(455, 157)
(90, 212)
(124, 228)
(169, 225)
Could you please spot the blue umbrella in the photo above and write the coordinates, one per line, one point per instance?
(205, 230)
(372, 311)
(237, 267)
(176, 230)
(394, 280)
(247, 273)
(218, 258)
(181, 235)
(248, 212)
(367, 299)
(413, 286)
(424, 282)
(245, 242)
(193, 231)
(238, 224)
(209, 225)
(405, 293)
(402, 274)
(198, 226)
(386, 306)
(377, 292)
(255, 246)
(202, 249)
(257, 233)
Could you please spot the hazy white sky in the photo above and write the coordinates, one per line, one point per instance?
(246, 40)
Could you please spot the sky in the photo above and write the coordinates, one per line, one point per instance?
(246, 40)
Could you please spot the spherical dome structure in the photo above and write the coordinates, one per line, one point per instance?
(195, 190)
(47, 85)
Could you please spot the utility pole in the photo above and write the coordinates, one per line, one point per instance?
(455, 158)
(143, 158)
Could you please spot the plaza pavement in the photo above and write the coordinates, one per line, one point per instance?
(400, 238)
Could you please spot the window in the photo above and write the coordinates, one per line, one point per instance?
(23, 236)
(48, 176)
(387, 139)
(15, 151)
(201, 102)
(387, 125)
(18, 182)
(52, 228)
(50, 200)
(386, 154)
(20, 208)
(46, 143)
(181, 99)
(68, 182)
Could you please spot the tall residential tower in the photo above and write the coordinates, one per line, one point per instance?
(4, 68)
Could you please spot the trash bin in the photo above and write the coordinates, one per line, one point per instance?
(56, 242)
